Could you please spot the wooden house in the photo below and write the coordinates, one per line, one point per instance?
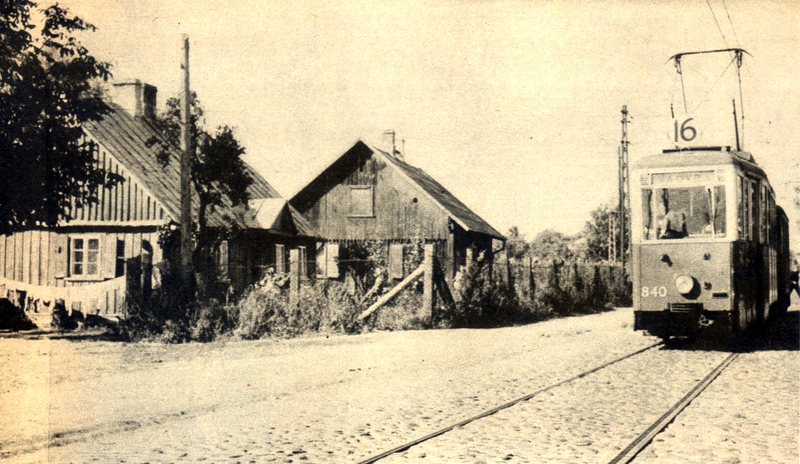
(371, 194)
(82, 262)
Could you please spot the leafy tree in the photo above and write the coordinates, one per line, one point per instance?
(218, 173)
(550, 244)
(516, 244)
(596, 233)
(46, 92)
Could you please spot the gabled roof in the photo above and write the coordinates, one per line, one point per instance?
(276, 215)
(452, 206)
(128, 138)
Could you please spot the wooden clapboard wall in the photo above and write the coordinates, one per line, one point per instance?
(127, 212)
(127, 203)
(41, 257)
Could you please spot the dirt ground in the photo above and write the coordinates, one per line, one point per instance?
(337, 398)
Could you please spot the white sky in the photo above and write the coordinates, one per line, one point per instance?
(514, 106)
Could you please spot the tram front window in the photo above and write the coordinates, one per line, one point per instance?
(670, 213)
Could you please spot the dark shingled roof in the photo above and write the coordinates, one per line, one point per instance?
(126, 139)
(457, 209)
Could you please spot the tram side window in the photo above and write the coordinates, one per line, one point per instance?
(647, 215)
(745, 212)
(670, 213)
(720, 211)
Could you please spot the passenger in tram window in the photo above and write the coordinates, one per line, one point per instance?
(673, 225)
(707, 228)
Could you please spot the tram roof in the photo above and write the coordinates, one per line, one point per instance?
(688, 158)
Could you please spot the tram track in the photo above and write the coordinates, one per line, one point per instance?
(494, 410)
(627, 454)
(630, 452)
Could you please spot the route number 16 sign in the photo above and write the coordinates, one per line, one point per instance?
(684, 131)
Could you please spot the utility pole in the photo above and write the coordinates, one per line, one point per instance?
(612, 237)
(186, 170)
(624, 192)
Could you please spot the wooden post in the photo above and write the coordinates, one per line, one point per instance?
(294, 277)
(531, 278)
(427, 282)
(185, 171)
(509, 276)
(450, 266)
(133, 283)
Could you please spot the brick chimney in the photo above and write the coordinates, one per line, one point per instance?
(135, 97)
(389, 143)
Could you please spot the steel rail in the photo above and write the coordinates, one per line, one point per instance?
(494, 410)
(641, 442)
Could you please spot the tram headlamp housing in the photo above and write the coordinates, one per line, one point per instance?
(684, 284)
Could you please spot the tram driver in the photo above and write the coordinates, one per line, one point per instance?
(673, 225)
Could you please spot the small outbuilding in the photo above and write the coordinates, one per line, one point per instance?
(372, 194)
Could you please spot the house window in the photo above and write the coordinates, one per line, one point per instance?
(361, 201)
(85, 256)
(119, 270)
(328, 260)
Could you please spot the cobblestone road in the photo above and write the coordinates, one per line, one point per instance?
(346, 398)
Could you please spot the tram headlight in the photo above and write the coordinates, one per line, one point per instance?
(684, 284)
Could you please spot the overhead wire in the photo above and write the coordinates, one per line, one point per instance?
(737, 56)
(714, 84)
(731, 23)
(738, 66)
(724, 40)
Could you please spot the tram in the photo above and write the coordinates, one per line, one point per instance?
(709, 245)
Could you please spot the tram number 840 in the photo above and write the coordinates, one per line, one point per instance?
(654, 292)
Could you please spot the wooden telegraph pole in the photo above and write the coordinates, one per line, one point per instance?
(186, 170)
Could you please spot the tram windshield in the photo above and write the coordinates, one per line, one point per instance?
(680, 212)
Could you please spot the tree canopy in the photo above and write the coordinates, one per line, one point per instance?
(46, 92)
(518, 248)
(219, 175)
(551, 245)
(597, 230)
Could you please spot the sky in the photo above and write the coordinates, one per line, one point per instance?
(514, 106)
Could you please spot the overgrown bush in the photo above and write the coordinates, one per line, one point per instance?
(165, 316)
(561, 288)
(321, 307)
(619, 288)
(404, 312)
(482, 300)
(554, 298)
(212, 320)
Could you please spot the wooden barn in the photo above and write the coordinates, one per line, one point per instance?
(371, 194)
(82, 262)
